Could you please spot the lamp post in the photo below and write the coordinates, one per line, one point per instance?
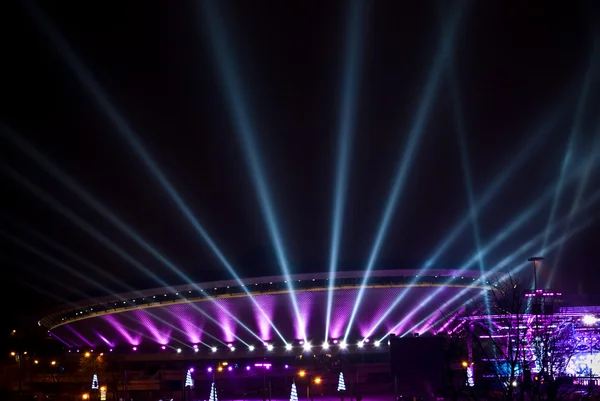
(535, 259)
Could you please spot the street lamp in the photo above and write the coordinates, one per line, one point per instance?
(535, 259)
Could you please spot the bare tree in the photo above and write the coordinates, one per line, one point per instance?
(508, 336)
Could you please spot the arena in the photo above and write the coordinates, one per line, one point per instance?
(211, 317)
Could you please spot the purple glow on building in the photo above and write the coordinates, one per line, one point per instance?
(190, 327)
(263, 320)
(229, 368)
(61, 340)
(209, 369)
(81, 337)
(342, 305)
(105, 340)
(226, 322)
(305, 306)
(160, 336)
(114, 323)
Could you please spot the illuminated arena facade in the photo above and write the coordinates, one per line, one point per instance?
(203, 318)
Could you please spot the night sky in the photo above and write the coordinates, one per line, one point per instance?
(521, 79)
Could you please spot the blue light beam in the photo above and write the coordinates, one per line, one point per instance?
(94, 89)
(414, 138)
(504, 234)
(575, 132)
(525, 249)
(523, 155)
(233, 90)
(464, 161)
(88, 228)
(347, 124)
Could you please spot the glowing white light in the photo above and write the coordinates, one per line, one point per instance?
(269, 347)
(325, 345)
(360, 344)
(232, 349)
(251, 348)
(179, 350)
(514, 384)
(589, 320)
(377, 343)
(343, 345)
(214, 349)
(288, 347)
(307, 347)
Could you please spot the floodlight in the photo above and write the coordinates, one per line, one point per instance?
(288, 347)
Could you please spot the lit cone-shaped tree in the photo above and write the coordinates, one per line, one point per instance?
(213, 393)
(341, 383)
(188, 379)
(294, 395)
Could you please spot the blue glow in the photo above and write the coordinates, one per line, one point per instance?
(464, 159)
(515, 224)
(85, 226)
(521, 252)
(347, 122)
(414, 138)
(233, 90)
(575, 131)
(124, 129)
(502, 179)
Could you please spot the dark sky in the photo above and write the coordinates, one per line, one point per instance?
(515, 67)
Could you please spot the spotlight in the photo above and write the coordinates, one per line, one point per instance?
(343, 345)
(288, 347)
(232, 349)
(209, 369)
(53, 363)
(220, 368)
(361, 344)
(247, 367)
(163, 347)
(195, 346)
(269, 347)
(325, 345)
(286, 366)
(307, 347)
(302, 373)
(230, 368)
(335, 341)
(13, 353)
(589, 320)
(377, 343)
(318, 380)
(251, 348)
(87, 355)
(134, 348)
(179, 350)
(230, 345)
(196, 350)
(36, 362)
(214, 349)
